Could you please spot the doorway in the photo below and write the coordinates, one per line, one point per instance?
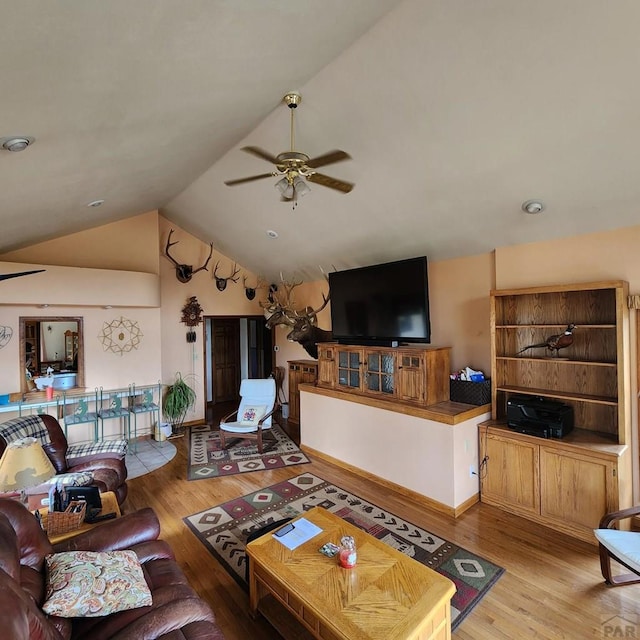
(236, 347)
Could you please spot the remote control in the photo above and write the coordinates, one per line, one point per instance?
(105, 516)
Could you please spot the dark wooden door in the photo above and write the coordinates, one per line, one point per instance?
(226, 359)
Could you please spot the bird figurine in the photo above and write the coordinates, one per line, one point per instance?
(555, 342)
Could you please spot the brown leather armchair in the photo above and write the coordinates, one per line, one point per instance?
(177, 611)
(105, 462)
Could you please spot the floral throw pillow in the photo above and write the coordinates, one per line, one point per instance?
(251, 415)
(93, 584)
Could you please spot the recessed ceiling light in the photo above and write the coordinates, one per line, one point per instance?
(272, 234)
(16, 143)
(533, 206)
(95, 203)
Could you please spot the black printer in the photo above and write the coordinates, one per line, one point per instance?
(538, 416)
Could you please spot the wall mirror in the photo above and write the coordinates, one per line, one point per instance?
(54, 342)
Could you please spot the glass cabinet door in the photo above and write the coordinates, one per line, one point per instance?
(349, 374)
(379, 376)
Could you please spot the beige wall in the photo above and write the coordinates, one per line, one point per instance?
(609, 255)
(459, 306)
(129, 245)
(177, 354)
(100, 269)
(74, 290)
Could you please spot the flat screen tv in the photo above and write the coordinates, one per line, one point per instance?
(384, 304)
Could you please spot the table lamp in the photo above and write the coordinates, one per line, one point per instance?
(24, 464)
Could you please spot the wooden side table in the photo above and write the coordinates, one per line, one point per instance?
(109, 504)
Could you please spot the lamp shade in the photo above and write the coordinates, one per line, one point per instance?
(24, 464)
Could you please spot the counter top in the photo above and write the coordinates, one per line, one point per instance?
(446, 412)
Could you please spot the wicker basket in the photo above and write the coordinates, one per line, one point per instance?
(59, 522)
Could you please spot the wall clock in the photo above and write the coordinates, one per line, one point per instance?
(192, 316)
(192, 312)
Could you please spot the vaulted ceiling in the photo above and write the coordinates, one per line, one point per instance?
(454, 112)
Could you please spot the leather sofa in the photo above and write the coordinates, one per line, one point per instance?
(104, 461)
(176, 613)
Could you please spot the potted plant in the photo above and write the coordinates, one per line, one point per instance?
(178, 399)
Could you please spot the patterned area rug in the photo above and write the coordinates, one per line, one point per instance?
(224, 529)
(207, 459)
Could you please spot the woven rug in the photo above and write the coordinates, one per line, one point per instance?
(207, 459)
(224, 529)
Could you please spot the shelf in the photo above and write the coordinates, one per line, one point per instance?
(554, 326)
(565, 483)
(576, 439)
(447, 412)
(561, 360)
(549, 393)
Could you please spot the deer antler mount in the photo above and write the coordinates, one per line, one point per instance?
(280, 309)
(221, 283)
(250, 292)
(184, 272)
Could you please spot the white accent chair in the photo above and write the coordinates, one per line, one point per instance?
(621, 546)
(253, 416)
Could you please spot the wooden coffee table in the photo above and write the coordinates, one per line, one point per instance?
(386, 596)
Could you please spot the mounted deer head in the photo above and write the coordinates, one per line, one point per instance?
(221, 282)
(303, 323)
(250, 292)
(184, 272)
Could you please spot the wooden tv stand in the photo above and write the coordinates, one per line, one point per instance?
(416, 375)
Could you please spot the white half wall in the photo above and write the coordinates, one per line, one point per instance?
(427, 457)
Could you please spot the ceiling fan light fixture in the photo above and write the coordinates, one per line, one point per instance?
(283, 186)
(301, 187)
(16, 143)
(295, 165)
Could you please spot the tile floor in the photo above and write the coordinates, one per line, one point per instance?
(147, 454)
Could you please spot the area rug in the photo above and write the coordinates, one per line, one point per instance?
(224, 529)
(207, 459)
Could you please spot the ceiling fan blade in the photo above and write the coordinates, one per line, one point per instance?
(328, 158)
(332, 183)
(231, 183)
(261, 153)
(6, 276)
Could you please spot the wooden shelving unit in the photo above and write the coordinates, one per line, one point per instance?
(568, 483)
(300, 372)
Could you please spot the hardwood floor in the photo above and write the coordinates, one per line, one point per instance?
(552, 587)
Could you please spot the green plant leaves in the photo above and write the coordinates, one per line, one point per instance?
(178, 399)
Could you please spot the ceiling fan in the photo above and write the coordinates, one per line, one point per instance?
(6, 276)
(296, 167)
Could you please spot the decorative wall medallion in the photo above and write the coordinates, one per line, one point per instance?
(5, 335)
(120, 336)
